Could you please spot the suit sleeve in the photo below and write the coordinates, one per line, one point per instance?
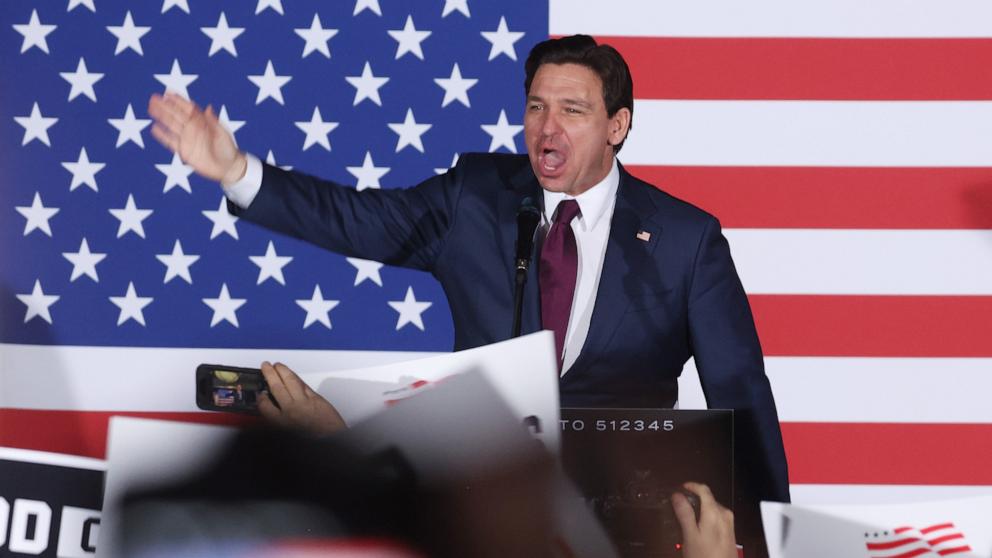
(403, 227)
(731, 368)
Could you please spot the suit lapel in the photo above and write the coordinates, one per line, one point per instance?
(627, 252)
(522, 185)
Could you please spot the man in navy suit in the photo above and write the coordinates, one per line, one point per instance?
(654, 283)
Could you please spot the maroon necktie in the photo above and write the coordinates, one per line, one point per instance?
(559, 268)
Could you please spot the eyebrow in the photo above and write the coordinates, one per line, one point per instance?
(575, 102)
(578, 102)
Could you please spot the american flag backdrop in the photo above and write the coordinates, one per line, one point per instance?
(845, 146)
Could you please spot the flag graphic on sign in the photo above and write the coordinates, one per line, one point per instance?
(941, 539)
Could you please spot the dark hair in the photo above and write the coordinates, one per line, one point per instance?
(604, 60)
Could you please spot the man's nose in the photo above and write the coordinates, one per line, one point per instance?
(550, 125)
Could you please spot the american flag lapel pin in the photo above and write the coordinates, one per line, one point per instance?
(644, 235)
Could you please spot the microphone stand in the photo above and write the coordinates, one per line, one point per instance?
(518, 296)
(528, 217)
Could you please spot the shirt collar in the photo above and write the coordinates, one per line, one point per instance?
(593, 203)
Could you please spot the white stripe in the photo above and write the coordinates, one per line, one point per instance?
(138, 379)
(908, 390)
(870, 262)
(57, 459)
(810, 133)
(879, 390)
(815, 494)
(772, 18)
(807, 389)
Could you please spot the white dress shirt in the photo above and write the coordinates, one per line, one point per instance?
(591, 228)
(243, 192)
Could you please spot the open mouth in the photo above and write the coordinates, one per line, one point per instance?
(552, 162)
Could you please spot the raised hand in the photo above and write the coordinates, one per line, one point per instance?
(197, 136)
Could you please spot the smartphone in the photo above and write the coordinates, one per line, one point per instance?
(229, 388)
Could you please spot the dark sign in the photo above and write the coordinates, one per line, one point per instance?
(46, 508)
(628, 462)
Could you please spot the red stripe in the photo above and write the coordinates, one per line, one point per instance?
(873, 326)
(83, 432)
(892, 544)
(882, 453)
(945, 538)
(899, 530)
(938, 527)
(910, 554)
(832, 197)
(801, 68)
(954, 550)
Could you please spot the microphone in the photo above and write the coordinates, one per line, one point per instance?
(528, 216)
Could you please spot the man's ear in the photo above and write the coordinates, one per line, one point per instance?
(619, 126)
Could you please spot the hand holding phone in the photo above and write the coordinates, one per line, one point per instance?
(273, 391)
(299, 406)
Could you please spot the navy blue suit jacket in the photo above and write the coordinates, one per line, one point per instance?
(660, 301)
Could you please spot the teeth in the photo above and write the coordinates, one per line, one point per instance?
(553, 159)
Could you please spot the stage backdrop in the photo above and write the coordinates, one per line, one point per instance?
(845, 146)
